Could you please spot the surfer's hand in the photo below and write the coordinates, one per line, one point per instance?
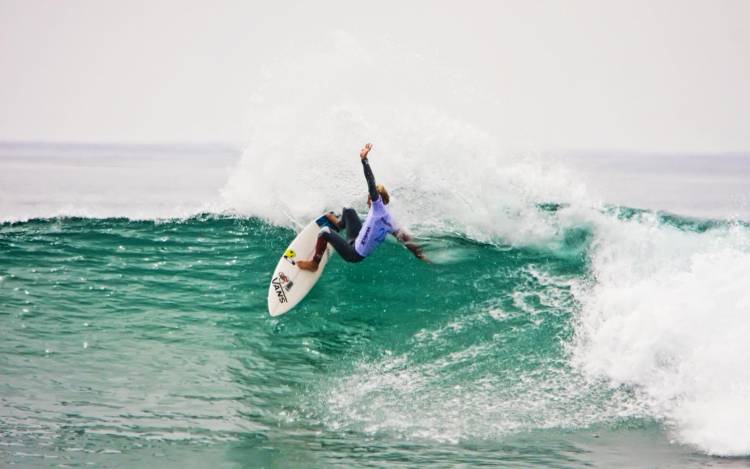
(363, 153)
(416, 249)
(420, 255)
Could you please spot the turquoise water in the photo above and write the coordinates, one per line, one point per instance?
(552, 329)
(142, 343)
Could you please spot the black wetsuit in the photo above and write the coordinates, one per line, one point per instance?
(351, 221)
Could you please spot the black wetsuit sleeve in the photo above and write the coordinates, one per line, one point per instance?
(370, 180)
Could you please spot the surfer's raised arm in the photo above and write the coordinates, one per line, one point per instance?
(371, 187)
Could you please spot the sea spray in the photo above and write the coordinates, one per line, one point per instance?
(445, 172)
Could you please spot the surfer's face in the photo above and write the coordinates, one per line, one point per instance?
(369, 201)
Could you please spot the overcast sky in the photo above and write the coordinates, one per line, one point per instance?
(637, 75)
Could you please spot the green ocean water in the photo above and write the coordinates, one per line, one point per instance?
(147, 343)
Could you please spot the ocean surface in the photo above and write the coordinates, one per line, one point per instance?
(570, 318)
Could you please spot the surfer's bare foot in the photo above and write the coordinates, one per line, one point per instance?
(310, 266)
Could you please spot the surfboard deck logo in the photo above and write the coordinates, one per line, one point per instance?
(279, 288)
(289, 255)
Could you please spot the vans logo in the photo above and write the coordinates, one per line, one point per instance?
(279, 289)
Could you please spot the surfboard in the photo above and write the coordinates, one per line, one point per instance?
(290, 284)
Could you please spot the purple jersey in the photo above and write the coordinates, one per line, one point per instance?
(378, 224)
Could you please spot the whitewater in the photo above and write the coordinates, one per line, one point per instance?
(572, 317)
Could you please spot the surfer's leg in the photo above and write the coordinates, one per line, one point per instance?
(326, 236)
(344, 248)
(352, 223)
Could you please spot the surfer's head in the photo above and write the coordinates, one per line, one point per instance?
(383, 195)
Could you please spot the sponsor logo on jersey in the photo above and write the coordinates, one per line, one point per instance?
(364, 236)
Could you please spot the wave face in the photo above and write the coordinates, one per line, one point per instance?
(131, 332)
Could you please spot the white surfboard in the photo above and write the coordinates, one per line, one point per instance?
(289, 283)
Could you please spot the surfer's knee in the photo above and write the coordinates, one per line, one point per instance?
(324, 232)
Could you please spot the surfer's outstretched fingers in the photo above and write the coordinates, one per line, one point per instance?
(363, 153)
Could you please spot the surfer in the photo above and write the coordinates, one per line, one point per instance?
(362, 239)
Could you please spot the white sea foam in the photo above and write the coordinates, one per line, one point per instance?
(444, 399)
(668, 314)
